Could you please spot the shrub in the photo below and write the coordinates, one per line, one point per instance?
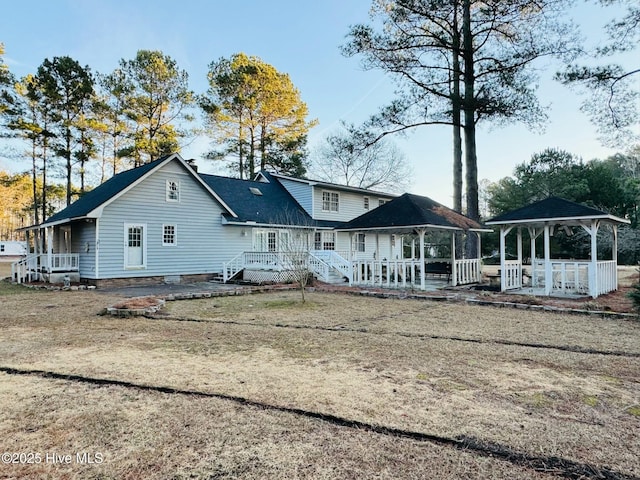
(634, 294)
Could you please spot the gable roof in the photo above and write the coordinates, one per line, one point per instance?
(267, 203)
(553, 209)
(408, 212)
(108, 191)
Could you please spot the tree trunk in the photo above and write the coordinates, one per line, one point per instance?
(471, 162)
(34, 178)
(68, 157)
(456, 114)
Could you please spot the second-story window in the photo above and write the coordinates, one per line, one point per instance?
(381, 202)
(173, 191)
(330, 202)
(366, 203)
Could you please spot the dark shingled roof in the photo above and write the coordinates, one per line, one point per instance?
(275, 206)
(410, 210)
(549, 208)
(96, 197)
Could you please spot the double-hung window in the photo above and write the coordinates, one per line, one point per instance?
(330, 202)
(169, 236)
(360, 242)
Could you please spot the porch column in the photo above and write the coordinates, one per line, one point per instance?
(548, 273)
(422, 272)
(593, 271)
(350, 258)
(479, 273)
(49, 247)
(454, 269)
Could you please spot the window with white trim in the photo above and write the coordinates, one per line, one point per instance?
(330, 201)
(381, 202)
(173, 191)
(366, 203)
(169, 236)
(324, 241)
(360, 242)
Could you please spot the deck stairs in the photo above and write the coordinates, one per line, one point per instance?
(326, 266)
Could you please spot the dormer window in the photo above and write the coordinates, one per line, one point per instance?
(173, 191)
(330, 202)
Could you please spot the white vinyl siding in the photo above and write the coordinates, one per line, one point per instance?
(301, 191)
(204, 242)
(351, 205)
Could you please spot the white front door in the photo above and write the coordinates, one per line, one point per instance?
(134, 246)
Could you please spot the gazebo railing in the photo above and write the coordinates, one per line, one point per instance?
(607, 276)
(468, 271)
(512, 274)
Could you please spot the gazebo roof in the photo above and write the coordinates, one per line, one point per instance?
(551, 210)
(408, 212)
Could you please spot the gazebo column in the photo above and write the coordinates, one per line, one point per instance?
(422, 267)
(593, 271)
(548, 273)
(454, 267)
(504, 231)
(614, 253)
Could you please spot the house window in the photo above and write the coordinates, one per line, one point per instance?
(381, 202)
(360, 242)
(173, 191)
(1, 248)
(324, 241)
(169, 237)
(366, 203)
(330, 201)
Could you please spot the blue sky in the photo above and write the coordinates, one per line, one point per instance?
(299, 37)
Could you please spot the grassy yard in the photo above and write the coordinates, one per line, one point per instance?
(262, 386)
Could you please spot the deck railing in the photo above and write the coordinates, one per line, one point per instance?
(33, 266)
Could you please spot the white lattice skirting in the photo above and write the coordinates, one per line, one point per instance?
(264, 276)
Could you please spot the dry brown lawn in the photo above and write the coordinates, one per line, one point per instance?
(262, 386)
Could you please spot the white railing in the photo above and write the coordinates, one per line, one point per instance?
(467, 271)
(388, 273)
(570, 276)
(32, 266)
(318, 266)
(275, 261)
(607, 274)
(63, 262)
(512, 274)
(335, 260)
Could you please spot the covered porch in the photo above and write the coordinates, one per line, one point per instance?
(49, 257)
(545, 275)
(427, 246)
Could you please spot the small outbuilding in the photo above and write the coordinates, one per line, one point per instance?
(591, 276)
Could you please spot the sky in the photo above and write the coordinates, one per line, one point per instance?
(301, 38)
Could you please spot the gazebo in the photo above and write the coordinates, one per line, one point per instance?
(549, 276)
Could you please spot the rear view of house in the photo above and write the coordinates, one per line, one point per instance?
(165, 222)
